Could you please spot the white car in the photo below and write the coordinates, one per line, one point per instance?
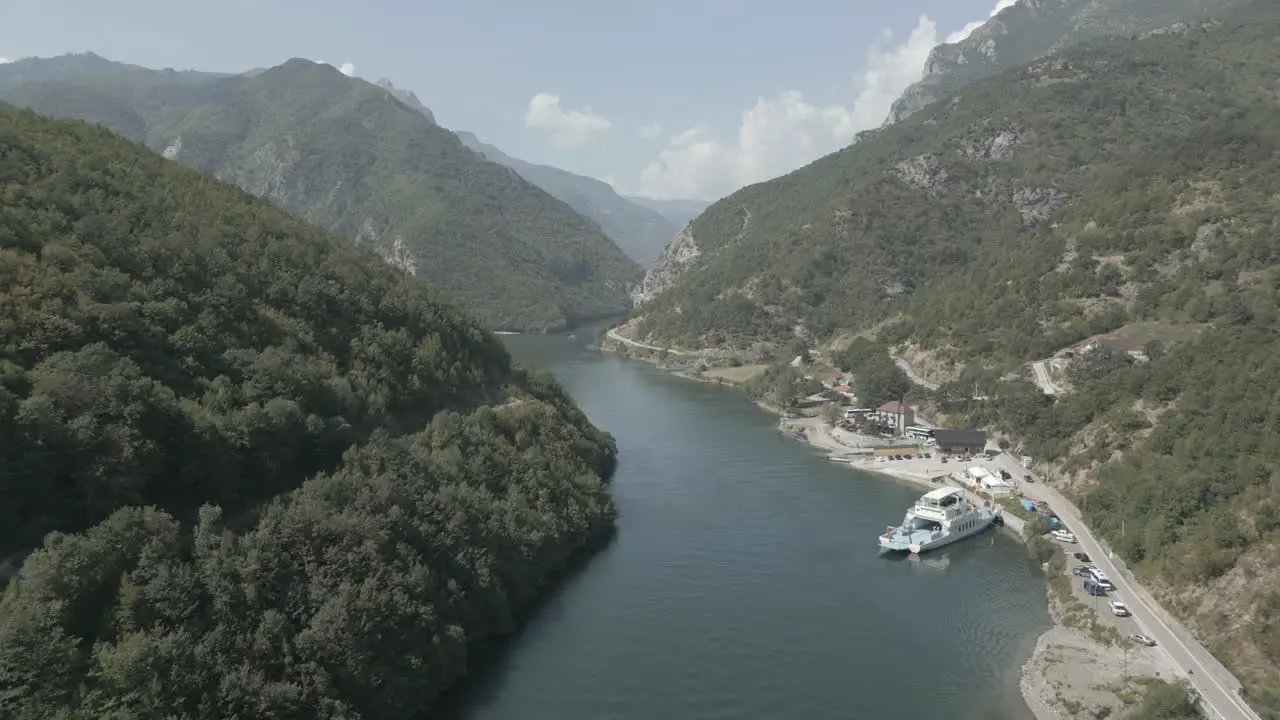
(1119, 609)
(1063, 536)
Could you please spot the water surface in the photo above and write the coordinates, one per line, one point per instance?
(745, 580)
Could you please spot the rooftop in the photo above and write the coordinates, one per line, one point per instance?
(960, 437)
(942, 492)
(894, 407)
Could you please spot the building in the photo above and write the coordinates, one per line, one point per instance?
(1115, 346)
(960, 442)
(846, 392)
(894, 415)
(983, 479)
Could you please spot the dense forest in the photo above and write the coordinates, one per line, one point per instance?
(352, 157)
(265, 474)
(1124, 189)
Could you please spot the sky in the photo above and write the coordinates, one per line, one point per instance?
(665, 99)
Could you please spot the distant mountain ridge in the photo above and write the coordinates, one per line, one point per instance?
(639, 230)
(1031, 29)
(681, 212)
(367, 161)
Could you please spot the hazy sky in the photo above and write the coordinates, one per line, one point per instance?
(667, 99)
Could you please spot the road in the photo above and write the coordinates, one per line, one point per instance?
(1218, 688)
(1041, 369)
(911, 374)
(613, 335)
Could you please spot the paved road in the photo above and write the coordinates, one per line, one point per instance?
(1043, 380)
(613, 335)
(1218, 688)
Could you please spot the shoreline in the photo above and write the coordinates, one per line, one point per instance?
(1081, 665)
(1076, 665)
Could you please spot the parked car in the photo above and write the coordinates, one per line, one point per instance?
(1142, 639)
(1063, 536)
(1119, 609)
(1093, 588)
(1082, 557)
(1027, 478)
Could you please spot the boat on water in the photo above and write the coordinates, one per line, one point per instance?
(802, 437)
(940, 517)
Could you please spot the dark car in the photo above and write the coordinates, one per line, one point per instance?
(1082, 557)
(1093, 588)
(1027, 478)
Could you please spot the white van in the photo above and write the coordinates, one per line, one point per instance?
(1101, 578)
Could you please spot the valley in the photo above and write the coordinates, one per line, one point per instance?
(312, 407)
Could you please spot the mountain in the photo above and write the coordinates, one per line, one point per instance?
(55, 68)
(354, 158)
(1030, 29)
(1106, 216)
(679, 212)
(638, 230)
(407, 97)
(278, 477)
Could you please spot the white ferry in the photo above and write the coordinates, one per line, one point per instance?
(939, 518)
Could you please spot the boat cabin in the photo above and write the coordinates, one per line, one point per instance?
(945, 502)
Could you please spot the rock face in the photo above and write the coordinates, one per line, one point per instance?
(407, 97)
(921, 172)
(675, 259)
(1033, 28)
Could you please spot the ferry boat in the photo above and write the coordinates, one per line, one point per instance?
(940, 517)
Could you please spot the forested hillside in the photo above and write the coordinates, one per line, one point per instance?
(354, 158)
(1126, 189)
(1025, 31)
(640, 231)
(283, 479)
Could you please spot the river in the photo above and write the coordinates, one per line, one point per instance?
(745, 581)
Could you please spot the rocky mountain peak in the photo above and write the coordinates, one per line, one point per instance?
(407, 97)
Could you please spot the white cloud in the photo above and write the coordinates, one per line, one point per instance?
(348, 69)
(4, 60)
(609, 180)
(650, 131)
(782, 133)
(567, 128)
